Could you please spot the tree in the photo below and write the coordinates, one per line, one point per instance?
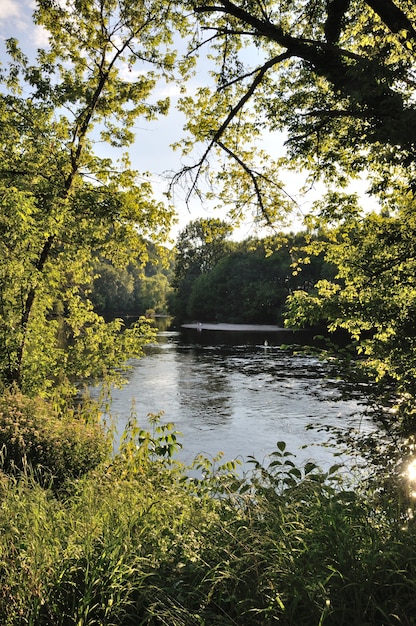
(62, 204)
(242, 288)
(113, 290)
(373, 297)
(337, 79)
(200, 245)
(153, 293)
(250, 284)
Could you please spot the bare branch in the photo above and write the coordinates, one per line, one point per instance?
(252, 174)
(255, 176)
(233, 113)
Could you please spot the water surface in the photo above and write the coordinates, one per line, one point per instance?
(239, 398)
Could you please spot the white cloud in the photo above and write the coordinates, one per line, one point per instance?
(40, 37)
(10, 9)
(15, 15)
(16, 21)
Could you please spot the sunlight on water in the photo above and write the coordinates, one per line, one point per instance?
(411, 477)
(240, 399)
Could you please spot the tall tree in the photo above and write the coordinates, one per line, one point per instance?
(199, 247)
(61, 202)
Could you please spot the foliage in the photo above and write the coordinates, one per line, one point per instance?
(243, 287)
(372, 297)
(139, 541)
(199, 247)
(336, 80)
(62, 204)
(132, 290)
(56, 448)
(335, 77)
(248, 284)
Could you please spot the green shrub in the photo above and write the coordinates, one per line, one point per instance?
(32, 435)
(137, 541)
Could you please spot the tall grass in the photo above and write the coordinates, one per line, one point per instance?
(135, 540)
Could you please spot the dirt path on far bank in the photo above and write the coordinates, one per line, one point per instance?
(235, 327)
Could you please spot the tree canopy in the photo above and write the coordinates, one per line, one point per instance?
(337, 79)
(133, 290)
(61, 202)
(218, 280)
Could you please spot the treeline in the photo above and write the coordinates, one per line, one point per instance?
(219, 280)
(211, 278)
(134, 289)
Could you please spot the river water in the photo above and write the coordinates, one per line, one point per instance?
(240, 395)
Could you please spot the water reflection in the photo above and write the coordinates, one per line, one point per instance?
(239, 399)
(411, 477)
(204, 389)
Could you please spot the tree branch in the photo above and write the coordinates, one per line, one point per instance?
(253, 175)
(392, 16)
(233, 113)
(364, 80)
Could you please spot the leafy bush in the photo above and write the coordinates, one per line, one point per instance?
(56, 447)
(139, 541)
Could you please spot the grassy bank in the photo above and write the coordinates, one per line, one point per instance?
(133, 540)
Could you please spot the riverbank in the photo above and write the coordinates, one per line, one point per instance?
(253, 328)
(135, 541)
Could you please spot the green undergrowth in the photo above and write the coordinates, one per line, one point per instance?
(141, 539)
(54, 446)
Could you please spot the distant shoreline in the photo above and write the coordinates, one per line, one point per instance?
(257, 328)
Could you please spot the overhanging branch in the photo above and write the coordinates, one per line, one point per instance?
(354, 76)
(233, 113)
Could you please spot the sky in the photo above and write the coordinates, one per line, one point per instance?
(151, 151)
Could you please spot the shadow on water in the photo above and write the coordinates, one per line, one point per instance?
(214, 337)
(314, 337)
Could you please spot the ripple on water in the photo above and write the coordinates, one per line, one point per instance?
(238, 399)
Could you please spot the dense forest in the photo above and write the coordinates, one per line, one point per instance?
(209, 277)
(218, 280)
(324, 89)
(133, 290)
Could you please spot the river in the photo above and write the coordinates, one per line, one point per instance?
(239, 394)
